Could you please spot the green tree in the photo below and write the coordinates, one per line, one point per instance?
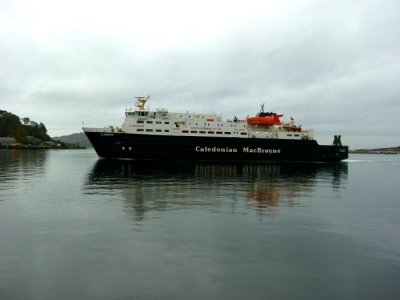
(8, 123)
(43, 128)
(19, 133)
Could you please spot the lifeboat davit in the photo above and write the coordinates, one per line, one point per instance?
(265, 119)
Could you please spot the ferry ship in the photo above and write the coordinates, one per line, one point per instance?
(162, 135)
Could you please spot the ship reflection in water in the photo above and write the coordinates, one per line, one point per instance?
(154, 186)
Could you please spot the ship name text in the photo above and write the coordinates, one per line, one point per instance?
(215, 149)
(257, 150)
(261, 150)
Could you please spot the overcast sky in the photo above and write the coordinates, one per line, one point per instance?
(332, 65)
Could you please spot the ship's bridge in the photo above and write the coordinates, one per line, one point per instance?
(136, 113)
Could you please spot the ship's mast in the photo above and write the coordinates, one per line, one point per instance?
(141, 102)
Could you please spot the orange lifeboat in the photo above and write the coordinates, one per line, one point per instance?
(292, 128)
(265, 119)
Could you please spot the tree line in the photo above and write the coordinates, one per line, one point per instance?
(24, 132)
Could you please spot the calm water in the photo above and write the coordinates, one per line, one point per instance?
(76, 227)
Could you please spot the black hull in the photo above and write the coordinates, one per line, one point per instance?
(160, 147)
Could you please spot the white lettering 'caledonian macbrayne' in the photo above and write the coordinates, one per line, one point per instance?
(235, 150)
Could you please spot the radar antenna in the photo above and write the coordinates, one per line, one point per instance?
(141, 102)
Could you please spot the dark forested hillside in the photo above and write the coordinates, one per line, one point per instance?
(26, 131)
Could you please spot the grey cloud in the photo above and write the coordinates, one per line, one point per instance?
(332, 65)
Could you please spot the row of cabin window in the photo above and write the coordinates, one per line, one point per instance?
(212, 132)
(146, 113)
(151, 130)
(167, 122)
(219, 125)
(186, 131)
(151, 122)
(198, 117)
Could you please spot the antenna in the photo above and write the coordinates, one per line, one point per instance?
(141, 101)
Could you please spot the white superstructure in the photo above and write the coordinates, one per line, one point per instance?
(161, 122)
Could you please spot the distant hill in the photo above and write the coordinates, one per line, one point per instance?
(75, 138)
(378, 150)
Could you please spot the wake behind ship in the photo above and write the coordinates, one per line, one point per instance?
(163, 135)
